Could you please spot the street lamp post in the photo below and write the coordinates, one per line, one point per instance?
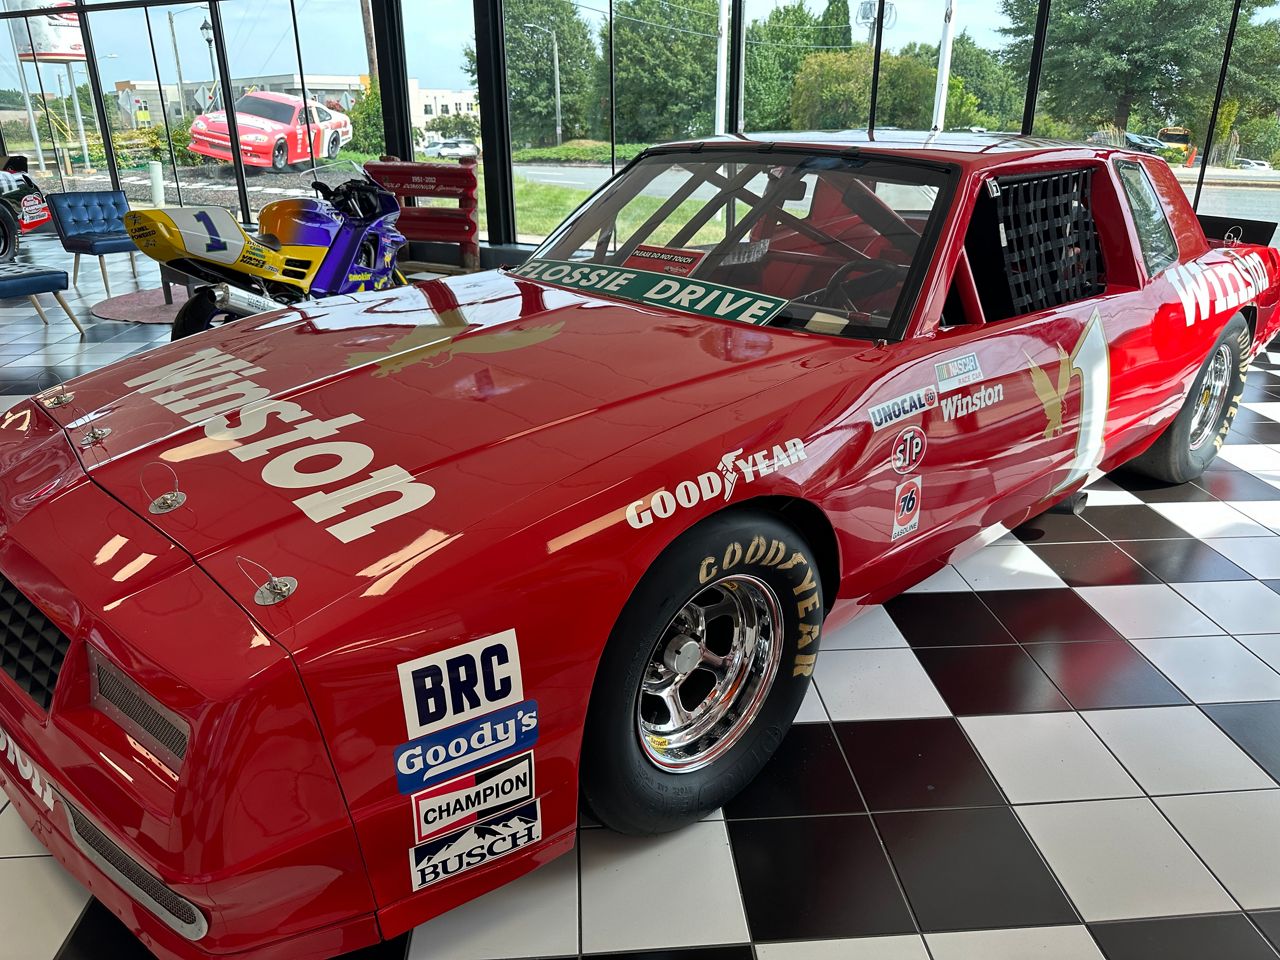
(555, 67)
(177, 62)
(206, 31)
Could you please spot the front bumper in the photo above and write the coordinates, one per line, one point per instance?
(219, 148)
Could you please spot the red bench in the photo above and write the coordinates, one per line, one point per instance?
(435, 224)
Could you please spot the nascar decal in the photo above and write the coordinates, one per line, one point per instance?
(963, 404)
(733, 466)
(899, 408)
(474, 846)
(209, 384)
(908, 450)
(473, 797)
(1207, 289)
(461, 682)
(672, 260)
(644, 286)
(26, 769)
(906, 507)
(1090, 360)
(466, 747)
(958, 372)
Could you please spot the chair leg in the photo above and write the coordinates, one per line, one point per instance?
(133, 264)
(39, 309)
(67, 309)
(106, 284)
(75, 270)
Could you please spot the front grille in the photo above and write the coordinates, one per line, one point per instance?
(133, 878)
(31, 647)
(163, 731)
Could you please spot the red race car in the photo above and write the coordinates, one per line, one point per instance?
(322, 623)
(276, 129)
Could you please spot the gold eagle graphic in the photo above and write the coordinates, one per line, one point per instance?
(436, 346)
(1052, 396)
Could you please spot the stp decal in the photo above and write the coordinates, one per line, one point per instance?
(475, 846)
(899, 408)
(906, 507)
(459, 683)
(472, 797)
(908, 450)
(467, 746)
(958, 372)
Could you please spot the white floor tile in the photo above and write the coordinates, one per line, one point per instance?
(1120, 859)
(1257, 556)
(1266, 408)
(1237, 606)
(946, 580)
(1210, 519)
(15, 839)
(621, 874)
(867, 948)
(1148, 610)
(535, 916)
(1260, 460)
(1238, 836)
(1265, 512)
(871, 628)
(811, 708)
(1265, 646)
(1039, 757)
(1212, 669)
(877, 685)
(1007, 567)
(41, 904)
(1176, 750)
(1107, 493)
(1040, 943)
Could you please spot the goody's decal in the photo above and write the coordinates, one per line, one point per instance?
(473, 797)
(459, 683)
(26, 769)
(474, 846)
(958, 372)
(906, 507)
(899, 408)
(466, 747)
(645, 286)
(908, 450)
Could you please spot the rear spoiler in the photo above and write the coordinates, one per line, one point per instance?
(1228, 231)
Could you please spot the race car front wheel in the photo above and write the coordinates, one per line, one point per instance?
(1190, 443)
(703, 673)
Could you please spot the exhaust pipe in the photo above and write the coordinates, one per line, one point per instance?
(246, 304)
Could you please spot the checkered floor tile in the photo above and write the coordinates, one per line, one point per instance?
(1066, 746)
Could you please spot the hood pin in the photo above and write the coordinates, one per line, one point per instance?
(273, 590)
(95, 435)
(166, 502)
(58, 399)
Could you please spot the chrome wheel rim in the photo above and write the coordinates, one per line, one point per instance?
(1212, 398)
(709, 674)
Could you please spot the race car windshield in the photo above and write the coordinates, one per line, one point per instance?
(830, 243)
(266, 109)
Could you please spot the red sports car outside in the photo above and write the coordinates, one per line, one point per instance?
(276, 130)
(324, 622)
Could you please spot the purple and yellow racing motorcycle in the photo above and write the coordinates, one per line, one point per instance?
(341, 241)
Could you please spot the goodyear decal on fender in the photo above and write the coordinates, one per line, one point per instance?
(644, 286)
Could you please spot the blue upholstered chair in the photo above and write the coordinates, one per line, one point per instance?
(92, 222)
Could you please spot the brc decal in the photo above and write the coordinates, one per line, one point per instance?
(908, 450)
(461, 682)
(1204, 290)
(473, 797)
(958, 372)
(899, 408)
(906, 507)
(963, 404)
(466, 747)
(474, 846)
(689, 493)
(27, 771)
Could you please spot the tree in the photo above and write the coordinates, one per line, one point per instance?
(366, 121)
(776, 47)
(998, 89)
(456, 125)
(835, 27)
(833, 90)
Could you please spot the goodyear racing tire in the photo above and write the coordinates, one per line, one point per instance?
(197, 314)
(1190, 443)
(9, 234)
(703, 673)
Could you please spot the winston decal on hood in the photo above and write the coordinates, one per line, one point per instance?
(209, 385)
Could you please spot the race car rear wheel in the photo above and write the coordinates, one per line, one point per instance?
(280, 156)
(1190, 443)
(331, 151)
(703, 673)
(9, 234)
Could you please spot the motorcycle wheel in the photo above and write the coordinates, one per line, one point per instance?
(9, 234)
(198, 314)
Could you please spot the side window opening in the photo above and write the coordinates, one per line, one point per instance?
(1033, 245)
(1155, 237)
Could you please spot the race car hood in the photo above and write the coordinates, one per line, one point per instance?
(246, 122)
(447, 401)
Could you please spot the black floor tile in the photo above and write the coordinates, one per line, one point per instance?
(812, 878)
(1273, 584)
(1133, 522)
(1157, 491)
(741, 951)
(1057, 528)
(1255, 433)
(1227, 936)
(971, 869)
(1182, 561)
(1047, 616)
(1109, 674)
(945, 620)
(1232, 484)
(982, 680)
(1268, 921)
(1255, 726)
(1101, 564)
(99, 933)
(916, 764)
(806, 777)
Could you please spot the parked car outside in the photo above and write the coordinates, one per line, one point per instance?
(460, 149)
(276, 130)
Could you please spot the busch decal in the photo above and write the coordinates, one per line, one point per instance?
(908, 450)
(466, 747)
(474, 846)
(473, 797)
(906, 507)
(899, 408)
(958, 372)
(26, 769)
(459, 683)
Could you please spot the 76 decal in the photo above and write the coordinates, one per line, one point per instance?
(906, 507)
